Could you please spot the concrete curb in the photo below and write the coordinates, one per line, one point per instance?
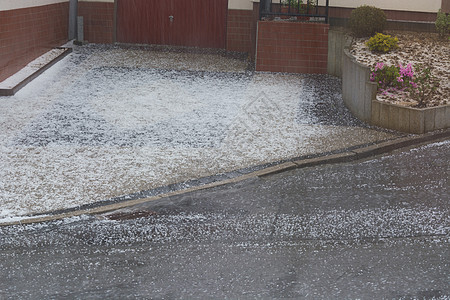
(360, 153)
(23, 83)
(347, 156)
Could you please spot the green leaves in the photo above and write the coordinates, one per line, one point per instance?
(418, 82)
(442, 24)
(426, 85)
(367, 20)
(382, 43)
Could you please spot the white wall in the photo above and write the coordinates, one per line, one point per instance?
(15, 4)
(240, 4)
(408, 5)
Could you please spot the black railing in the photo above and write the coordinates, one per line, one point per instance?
(301, 10)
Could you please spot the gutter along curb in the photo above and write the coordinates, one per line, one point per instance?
(343, 157)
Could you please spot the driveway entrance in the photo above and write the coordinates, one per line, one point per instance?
(192, 23)
(110, 123)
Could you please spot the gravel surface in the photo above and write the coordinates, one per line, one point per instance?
(107, 122)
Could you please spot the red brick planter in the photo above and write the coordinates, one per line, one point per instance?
(292, 47)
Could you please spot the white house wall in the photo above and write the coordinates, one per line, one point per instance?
(16, 4)
(405, 5)
(240, 4)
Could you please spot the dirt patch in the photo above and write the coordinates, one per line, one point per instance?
(414, 48)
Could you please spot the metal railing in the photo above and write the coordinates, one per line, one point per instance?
(301, 10)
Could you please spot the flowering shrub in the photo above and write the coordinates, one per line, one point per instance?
(426, 85)
(382, 43)
(420, 84)
(392, 78)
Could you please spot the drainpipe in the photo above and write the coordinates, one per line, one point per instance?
(264, 7)
(267, 6)
(73, 12)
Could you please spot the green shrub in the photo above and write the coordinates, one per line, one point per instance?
(294, 4)
(367, 20)
(382, 43)
(297, 5)
(442, 24)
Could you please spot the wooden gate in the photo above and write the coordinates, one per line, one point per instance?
(192, 23)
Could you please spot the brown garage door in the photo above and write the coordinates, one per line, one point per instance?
(193, 23)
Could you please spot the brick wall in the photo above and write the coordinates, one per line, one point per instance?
(292, 47)
(239, 34)
(445, 5)
(27, 33)
(98, 21)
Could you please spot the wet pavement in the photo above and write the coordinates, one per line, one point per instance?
(108, 122)
(377, 228)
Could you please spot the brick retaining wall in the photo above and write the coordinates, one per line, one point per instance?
(27, 33)
(292, 47)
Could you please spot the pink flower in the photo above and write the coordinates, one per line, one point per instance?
(379, 66)
(407, 72)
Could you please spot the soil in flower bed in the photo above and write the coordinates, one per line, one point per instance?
(415, 48)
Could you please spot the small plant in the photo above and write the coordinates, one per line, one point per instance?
(382, 43)
(367, 20)
(297, 5)
(442, 24)
(294, 4)
(426, 85)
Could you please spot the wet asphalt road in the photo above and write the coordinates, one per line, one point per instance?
(371, 229)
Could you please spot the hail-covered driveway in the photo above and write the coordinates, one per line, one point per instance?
(106, 122)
